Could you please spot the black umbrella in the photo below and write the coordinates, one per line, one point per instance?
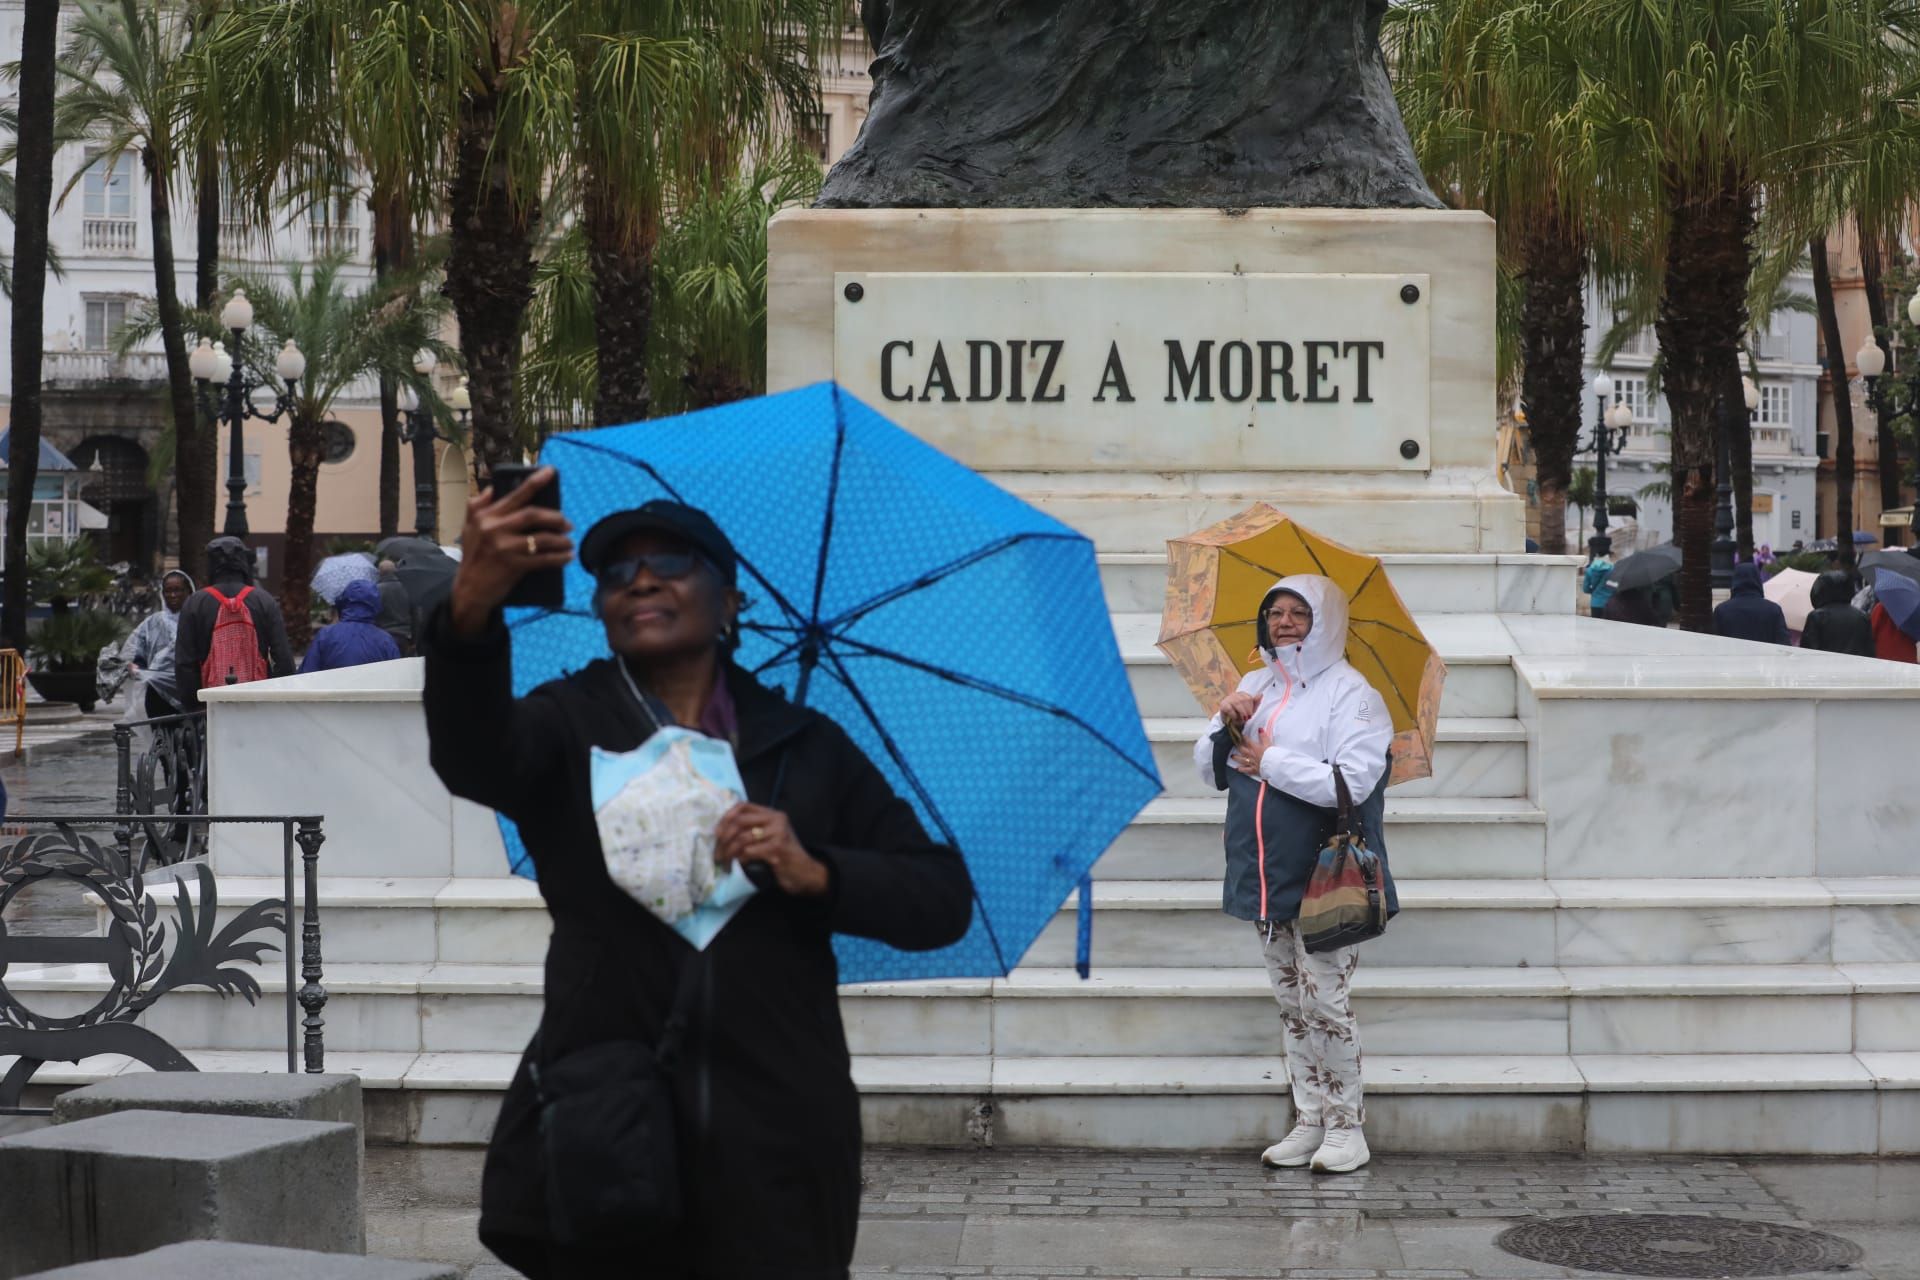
(1895, 561)
(1644, 568)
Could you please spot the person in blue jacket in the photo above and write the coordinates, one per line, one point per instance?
(355, 639)
(1747, 614)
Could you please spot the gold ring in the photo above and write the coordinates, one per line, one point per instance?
(533, 547)
(759, 834)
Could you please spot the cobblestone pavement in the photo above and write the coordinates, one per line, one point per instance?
(78, 779)
(1109, 1216)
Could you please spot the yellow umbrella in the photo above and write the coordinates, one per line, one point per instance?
(1216, 579)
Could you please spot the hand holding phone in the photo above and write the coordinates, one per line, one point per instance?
(508, 535)
(539, 588)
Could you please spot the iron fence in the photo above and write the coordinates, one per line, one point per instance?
(140, 966)
(168, 779)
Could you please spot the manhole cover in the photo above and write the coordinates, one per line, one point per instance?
(1666, 1244)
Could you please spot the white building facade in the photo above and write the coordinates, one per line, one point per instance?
(1786, 442)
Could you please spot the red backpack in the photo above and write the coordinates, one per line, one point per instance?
(233, 655)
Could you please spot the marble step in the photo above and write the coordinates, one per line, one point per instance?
(1515, 923)
(1479, 758)
(1479, 685)
(1038, 1012)
(1428, 837)
(1777, 1103)
(1136, 582)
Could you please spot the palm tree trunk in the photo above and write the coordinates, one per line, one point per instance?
(33, 200)
(206, 226)
(306, 446)
(1702, 318)
(622, 308)
(1837, 387)
(392, 251)
(1553, 329)
(1872, 262)
(1738, 424)
(709, 385)
(489, 275)
(193, 451)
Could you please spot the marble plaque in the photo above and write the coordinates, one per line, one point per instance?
(1144, 370)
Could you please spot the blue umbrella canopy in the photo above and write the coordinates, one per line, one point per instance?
(959, 635)
(1900, 596)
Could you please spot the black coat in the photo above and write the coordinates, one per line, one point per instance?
(1747, 614)
(770, 1121)
(1835, 626)
(230, 568)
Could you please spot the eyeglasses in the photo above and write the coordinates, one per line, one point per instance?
(1291, 611)
(665, 565)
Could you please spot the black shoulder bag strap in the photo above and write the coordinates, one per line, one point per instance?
(1343, 800)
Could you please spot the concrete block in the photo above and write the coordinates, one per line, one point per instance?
(221, 1260)
(135, 1180)
(329, 1099)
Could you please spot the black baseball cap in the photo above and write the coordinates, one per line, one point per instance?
(675, 519)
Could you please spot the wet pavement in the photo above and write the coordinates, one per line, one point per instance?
(1114, 1216)
(78, 780)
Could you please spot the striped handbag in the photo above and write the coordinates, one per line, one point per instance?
(1343, 903)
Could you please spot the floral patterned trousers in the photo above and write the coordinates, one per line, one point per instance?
(1323, 1044)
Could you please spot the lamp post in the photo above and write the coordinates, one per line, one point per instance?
(211, 365)
(1871, 361)
(1913, 418)
(418, 430)
(1612, 421)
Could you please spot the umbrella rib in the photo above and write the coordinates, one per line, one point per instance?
(677, 496)
(982, 686)
(1392, 689)
(919, 789)
(833, 501)
(947, 570)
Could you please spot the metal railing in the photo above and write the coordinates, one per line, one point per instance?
(107, 234)
(137, 965)
(167, 780)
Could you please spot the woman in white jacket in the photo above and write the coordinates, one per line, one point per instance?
(1287, 726)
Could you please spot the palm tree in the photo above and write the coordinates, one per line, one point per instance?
(131, 87)
(710, 286)
(1725, 100)
(348, 338)
(1492, 92)
(667, 98)
(30, 200)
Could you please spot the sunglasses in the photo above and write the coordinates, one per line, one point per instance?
(665, 565)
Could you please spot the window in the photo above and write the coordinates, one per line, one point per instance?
(1632, 392)
(107, 191)
(816, 134)
(1776, 406)
(105, 318)
(340, 442)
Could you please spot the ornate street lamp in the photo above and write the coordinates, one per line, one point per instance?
(212, 365)
(1612, 422)
(418, 430)
(1871, 361)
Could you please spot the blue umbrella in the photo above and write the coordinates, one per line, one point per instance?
(335, 572)
(958, 634)
(1900, 596)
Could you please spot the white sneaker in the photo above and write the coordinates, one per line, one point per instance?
(1294, 1150)
(1344, 1151)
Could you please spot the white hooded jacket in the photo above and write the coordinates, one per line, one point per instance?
(1315, 709)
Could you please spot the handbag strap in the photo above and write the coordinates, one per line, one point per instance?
(1343, 818)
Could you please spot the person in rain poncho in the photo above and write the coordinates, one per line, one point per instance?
(767, 1114)
(356, 639)
(148, 652)
(1301, 714)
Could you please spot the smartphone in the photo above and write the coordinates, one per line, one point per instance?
(543, 588)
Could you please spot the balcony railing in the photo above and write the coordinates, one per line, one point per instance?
(107, 235)
(1773, 440)
(335, 239)
(76, 368)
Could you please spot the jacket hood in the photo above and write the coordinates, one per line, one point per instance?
(358, 602)
(1746, 579)
(1326, 641)
(229, 558)
(1832, 587)
(184, 576)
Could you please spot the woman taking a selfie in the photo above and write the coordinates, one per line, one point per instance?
(764, 1124)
